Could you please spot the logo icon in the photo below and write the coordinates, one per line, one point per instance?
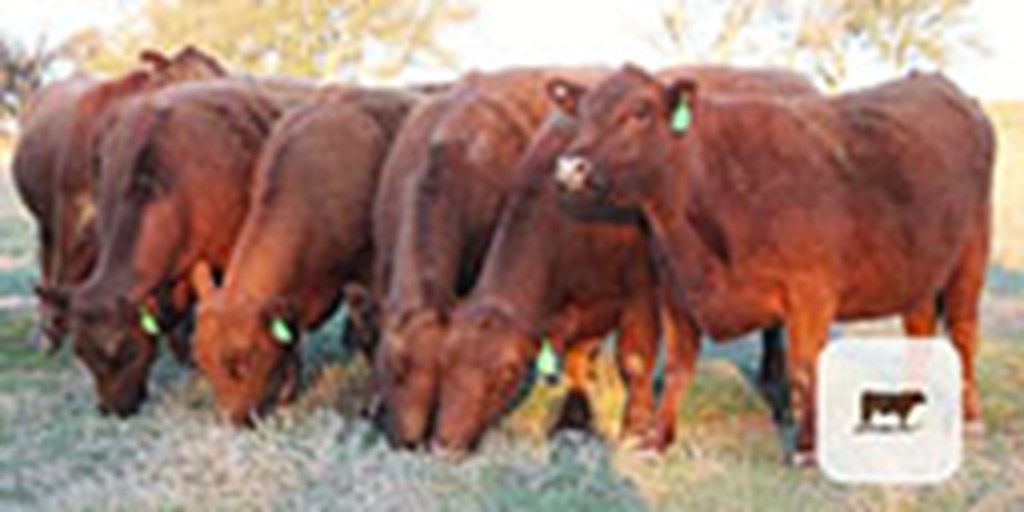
(875, 403)
(889, 410)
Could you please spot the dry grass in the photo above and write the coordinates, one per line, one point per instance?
(56, 453)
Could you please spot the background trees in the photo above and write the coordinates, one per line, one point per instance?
(821, 37)
(303, 38)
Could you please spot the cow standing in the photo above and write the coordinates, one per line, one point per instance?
(769, 212)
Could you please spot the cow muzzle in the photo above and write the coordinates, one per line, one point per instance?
(573, 172)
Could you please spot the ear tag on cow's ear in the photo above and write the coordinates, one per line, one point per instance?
(281, 333)
(682, 118)
(547, 361)
(148, 322)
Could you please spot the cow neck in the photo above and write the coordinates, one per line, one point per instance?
(115, 275)
(675, 217)
(264, 262)
(431, 253)
(516, 274)
(425, 264)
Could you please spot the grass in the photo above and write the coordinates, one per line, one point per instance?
(57, 453)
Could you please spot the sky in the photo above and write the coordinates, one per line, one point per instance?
(572, 32)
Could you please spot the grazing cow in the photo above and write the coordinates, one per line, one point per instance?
(441, 192)
(797, 212)
(901, 403)
(306, 234)
(46, 128)
(595, 279)
(443, 189)
(53, 166)
(173, 190)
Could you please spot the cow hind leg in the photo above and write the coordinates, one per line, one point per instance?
(961, 298)
(771, 378)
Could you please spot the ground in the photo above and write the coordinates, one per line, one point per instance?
(57, 453)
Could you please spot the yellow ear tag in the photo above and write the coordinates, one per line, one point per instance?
(281, 333)
(148, 323)
(547, 361)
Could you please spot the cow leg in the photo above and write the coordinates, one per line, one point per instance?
(961, 299)
(636, 355)
(47, 333)
(771, 378)
(922, 321)
(178, 343)
(577, 413)
(176, 312)
(807, 325)
(682, 347)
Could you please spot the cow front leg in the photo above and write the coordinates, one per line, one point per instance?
(682, 347)
(807, 325)
(636, 355)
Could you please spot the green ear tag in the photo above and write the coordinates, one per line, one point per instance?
(682, 117)
(148, 322)
(547, 361)
(281, 333)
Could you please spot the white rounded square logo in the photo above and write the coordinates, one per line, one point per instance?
(889, 410)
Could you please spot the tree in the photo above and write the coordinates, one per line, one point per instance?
(304, 38)
(21, 72)
(822, 37)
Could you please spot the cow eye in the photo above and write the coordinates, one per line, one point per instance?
(642, 113)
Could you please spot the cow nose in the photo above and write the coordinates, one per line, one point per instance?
(573, 172)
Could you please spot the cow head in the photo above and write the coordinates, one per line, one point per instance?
(406, 374)
(627, 127)
(115, 339)
(488, 364)
(247, 348)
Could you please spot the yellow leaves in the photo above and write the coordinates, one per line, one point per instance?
(304, 38)
(823, 37)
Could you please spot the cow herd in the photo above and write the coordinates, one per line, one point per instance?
(473, 226)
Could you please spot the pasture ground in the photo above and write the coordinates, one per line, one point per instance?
(57, 453)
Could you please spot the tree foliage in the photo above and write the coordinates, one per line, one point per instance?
(21, 71)
(820, 36)
(304, 38)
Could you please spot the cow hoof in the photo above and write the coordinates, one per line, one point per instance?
(974, 428)
(804, 459)
(656, 440)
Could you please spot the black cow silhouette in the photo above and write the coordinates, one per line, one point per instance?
(887, 402)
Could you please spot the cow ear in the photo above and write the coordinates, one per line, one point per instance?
(202, 280)
(681, 99)
(154, 58)
(565, 94)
